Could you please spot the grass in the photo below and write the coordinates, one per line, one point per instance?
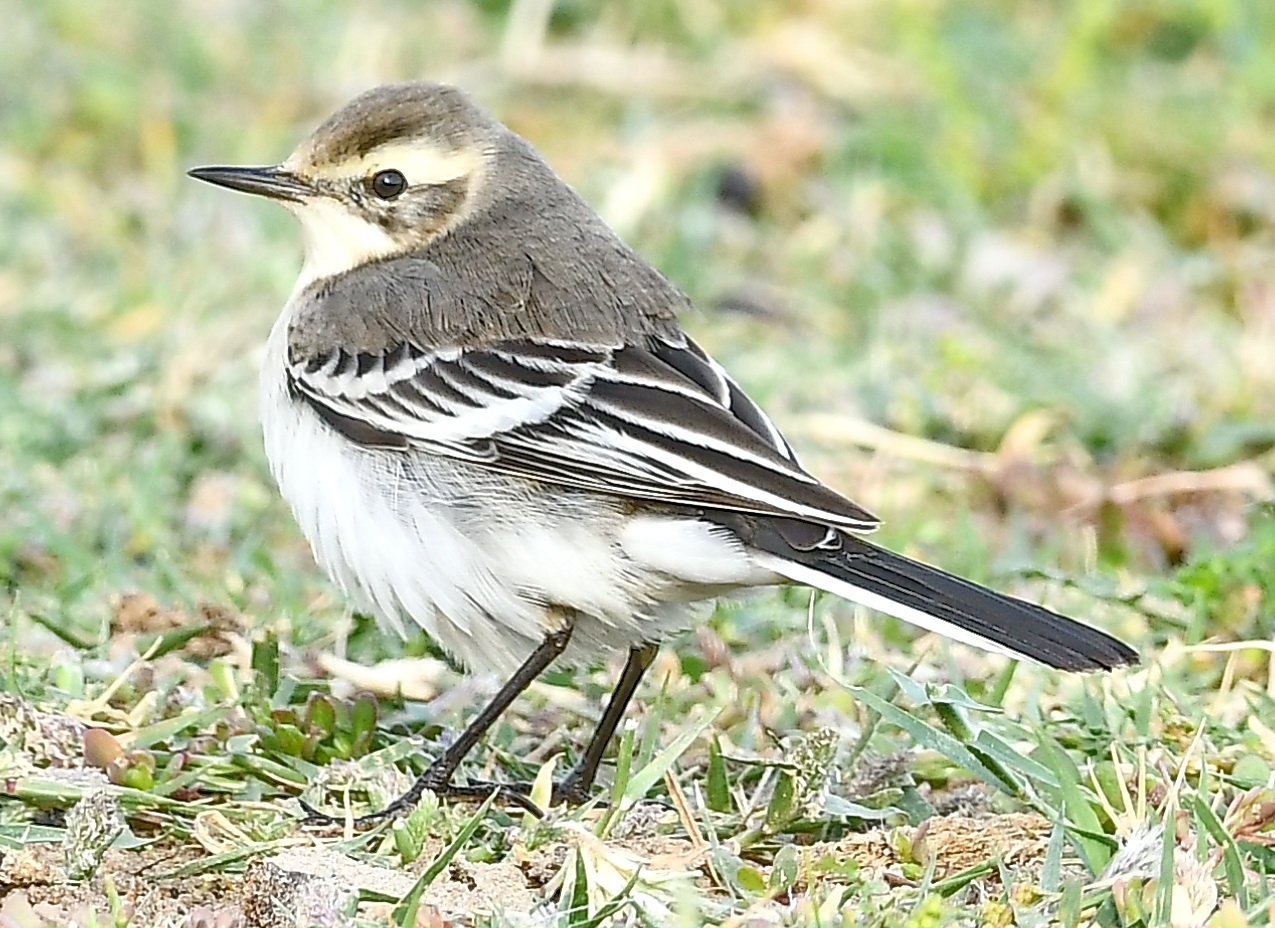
(1037, 237)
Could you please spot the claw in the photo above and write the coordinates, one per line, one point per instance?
(570, 792)
(516, 793)
(567, 790)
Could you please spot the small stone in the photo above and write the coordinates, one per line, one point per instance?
(48, 739)
(100, 747)
(92, 825)
(276, 897)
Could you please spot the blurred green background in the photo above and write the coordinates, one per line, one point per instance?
(1003, 271)
(1039, 231)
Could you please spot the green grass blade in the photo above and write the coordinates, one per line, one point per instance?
(1232, 863)
(930, 737)
(1079, 812)
(646, 777)
(404, 914)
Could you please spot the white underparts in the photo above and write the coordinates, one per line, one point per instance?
(484, 563)
(695, 552)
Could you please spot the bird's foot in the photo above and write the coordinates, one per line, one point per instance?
(570, 790)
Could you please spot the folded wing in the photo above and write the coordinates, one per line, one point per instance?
(660, 422)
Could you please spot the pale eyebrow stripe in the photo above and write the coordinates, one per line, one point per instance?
(421, 164)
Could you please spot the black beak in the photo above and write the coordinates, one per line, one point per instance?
(273, 182)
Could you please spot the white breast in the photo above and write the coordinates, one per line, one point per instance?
(380, 540)
(412, 540)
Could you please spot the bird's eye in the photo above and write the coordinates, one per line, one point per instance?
(388, 184)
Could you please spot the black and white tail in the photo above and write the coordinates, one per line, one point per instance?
(940, 602)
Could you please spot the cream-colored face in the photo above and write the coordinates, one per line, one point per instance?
(347, 224)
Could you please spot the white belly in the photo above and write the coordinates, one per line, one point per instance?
(414, 539)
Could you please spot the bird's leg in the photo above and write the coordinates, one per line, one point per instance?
(437, 777)
(576, 785)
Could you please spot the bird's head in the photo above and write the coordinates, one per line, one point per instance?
(385, 175)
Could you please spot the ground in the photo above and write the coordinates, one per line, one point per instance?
(1002, 272)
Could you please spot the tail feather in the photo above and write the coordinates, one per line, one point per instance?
(938, 601)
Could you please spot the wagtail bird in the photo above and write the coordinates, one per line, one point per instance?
(488, 422)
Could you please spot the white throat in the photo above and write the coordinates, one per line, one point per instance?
(336, 240)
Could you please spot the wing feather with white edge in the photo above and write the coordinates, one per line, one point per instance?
(661, 422)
